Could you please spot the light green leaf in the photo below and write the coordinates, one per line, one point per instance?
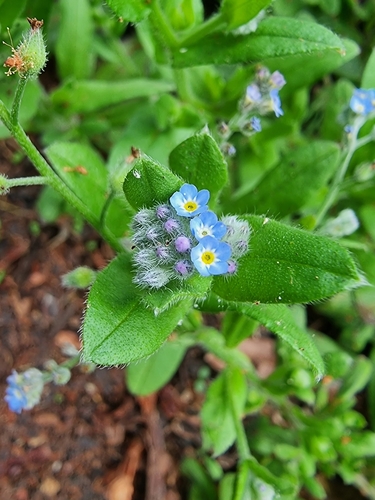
(132, 11)
(149, 182)
(83, 170)
(118, 329)
(275, 38)
(86, 96)
(288, 265)
(225, 400)
(292, 182)
(199, 161)
(75, 39)
(281, 485)
(279, 319)
(368, 77)
(150, 374)
(239, 12)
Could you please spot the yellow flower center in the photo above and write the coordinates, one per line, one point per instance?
(208, 257)
(190, 206)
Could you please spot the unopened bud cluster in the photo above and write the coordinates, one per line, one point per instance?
(182, 237)
(261, 97)
(30, 57)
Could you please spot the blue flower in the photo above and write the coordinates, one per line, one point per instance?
(253, 94)
(210, 256)
(277, 80)
(188, 201)
(363, 101)
(24, 389)
(255, 124)
(276, 102)
(207, 224)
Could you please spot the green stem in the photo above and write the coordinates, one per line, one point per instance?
(26, 181)
(17, 100)
(161, 22)
(214, 23)
(340, 174)
(53, 179)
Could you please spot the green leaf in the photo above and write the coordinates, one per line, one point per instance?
(149, 375)
(288, 265)
(86, 96)
(275, 38)
(75, 39)
(132, 11)
(118, 328)
(9, 11)
(218, 426)
(199, 161)
(239, 12)
(83, 170)
(279, 484)
(149, 182)
(279, 319)
(368, 77)
(315, 65)
(292, 182)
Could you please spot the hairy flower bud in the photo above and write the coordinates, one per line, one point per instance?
(30, 57)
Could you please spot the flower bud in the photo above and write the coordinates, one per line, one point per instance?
(82, 277)
(30, 57)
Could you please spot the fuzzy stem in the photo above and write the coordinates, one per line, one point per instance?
(202, 30)
(17, 99)
(26, 181)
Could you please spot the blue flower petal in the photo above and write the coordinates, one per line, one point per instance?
(217, 253)
(206, 224)
(188, 201)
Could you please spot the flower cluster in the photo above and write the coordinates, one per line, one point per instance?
(182, 237)
(363, 101)
(261, 97)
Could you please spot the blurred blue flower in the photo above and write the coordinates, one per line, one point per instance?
(253, 94)
(24, 389)
(210, 256)
(276, 102)
(363, 101)
(207, 224)
(188, 201)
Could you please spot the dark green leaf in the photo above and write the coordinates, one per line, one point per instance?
(149, 182)
(239, 12)
(150, 374)
(288, 265)
(118, 328)
(9, 11)
(132, 11)
(292, 182)
(89, 95)
(275, 38)
(199, 161)
(75, 39)
(368, 77)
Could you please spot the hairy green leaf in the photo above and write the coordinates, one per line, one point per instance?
(288, 265)
(118, 328)
(199, 161)
(276, 37)
(239, 12)
(132, 11)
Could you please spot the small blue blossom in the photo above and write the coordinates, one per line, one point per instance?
(210, 256)
(188, 201)
(24, 389)
(363, 101)
(207, 224)
(256, 124)
(253, 94)
(277, 80)
(276, 102)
